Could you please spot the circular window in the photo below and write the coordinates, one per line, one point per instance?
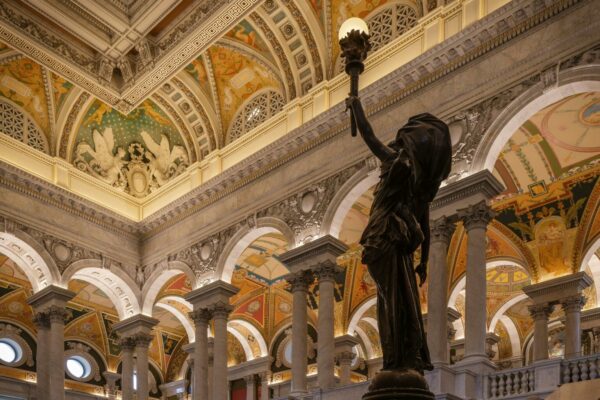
(10, 351)
(78, 367)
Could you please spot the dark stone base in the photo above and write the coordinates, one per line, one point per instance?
(399, 385)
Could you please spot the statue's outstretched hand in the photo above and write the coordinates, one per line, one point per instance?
(421, 270)
(350, 100)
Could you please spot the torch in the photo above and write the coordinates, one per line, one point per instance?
(354, 42)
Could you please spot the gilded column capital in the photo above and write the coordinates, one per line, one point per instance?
(540, 311)
(221, 310)
(573, 303)
(326, 271)
(442, 230)
(200, 315)
(300, 280)
(476, 215)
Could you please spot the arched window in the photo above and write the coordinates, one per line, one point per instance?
(255, 112)
(17, 125)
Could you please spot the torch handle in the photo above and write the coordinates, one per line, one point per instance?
(353, 92)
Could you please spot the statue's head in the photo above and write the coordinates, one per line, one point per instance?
(427, 141)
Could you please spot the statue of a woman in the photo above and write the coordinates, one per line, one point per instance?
(412, 169)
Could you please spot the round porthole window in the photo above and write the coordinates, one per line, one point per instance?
(78, 367)
(10, 351)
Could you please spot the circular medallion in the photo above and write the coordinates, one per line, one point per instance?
(285, 307)
(63, 253)
(205, 251)
(308, 202)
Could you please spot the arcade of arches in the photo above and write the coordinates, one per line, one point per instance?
(181, 201)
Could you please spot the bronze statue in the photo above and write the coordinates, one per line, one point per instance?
(412, 169)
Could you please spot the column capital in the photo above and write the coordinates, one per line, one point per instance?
(345, 357)
(250, 379)
(221, 310)
(57, 313)
(214, 292)
(41, 320)
(264, 376)
(126, 343)
(573, 303)
(326, 271)
(142, 339)
(200, 315)
(300, 280)
(477, 215)
(442, 229)
(540, 311)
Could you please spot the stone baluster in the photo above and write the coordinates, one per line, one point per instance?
(127, 346)
(52, 300)
(201, 318)
(437, 291)
(142, 343)
(540, 314)
(325, 274)
(572, 307)
(476, 219)
(42, 324)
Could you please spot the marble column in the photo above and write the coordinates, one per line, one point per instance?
(111, 384)
(326, 273)
(572, 307)
(220, 312)
(475, 218)
(540, 314)
(201, 317)
(250, 387)
(42, 324)
(190, 350)
(437, 291)
(142, 342)
(299, 282)
(344, 355)
(264, 385)
(211, 363)
(52, 300)
(127, 346)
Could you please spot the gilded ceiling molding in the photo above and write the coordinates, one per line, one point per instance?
(68, 134)
(210, 132)
(308, 36)
(525, 251)
(210, 73)
(51, 110)
(279, 52)
(588, 218)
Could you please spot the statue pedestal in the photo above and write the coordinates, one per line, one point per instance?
(399, 385)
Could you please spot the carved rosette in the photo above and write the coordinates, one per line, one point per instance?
(476, 216)
(540, 311)
(300, 280)
(573, 303)
(442, 230)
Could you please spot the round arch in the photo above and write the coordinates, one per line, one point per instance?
(159, 277)
(513, 335)
(243, 341)
(32, 259)
(358, 314)
(123, 294)
(187, 325)
(243, 238)
(262, 344)
(345, 198)
(572, 81)
(591, 259)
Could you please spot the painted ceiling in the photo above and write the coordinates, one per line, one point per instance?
(84, 112)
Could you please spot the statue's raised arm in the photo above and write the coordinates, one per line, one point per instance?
(380, 150)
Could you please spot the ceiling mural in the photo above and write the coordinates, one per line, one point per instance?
(260, 259)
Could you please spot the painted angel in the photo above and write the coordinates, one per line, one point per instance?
(105, 164)
(163, 160)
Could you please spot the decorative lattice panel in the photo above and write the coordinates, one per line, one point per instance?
(254, 113)
(17, 125)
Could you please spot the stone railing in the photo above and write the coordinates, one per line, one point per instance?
(580, 369)
(508, 383)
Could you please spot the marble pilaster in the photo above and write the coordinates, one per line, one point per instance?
(111, 384)
(127, 347)
(42, 324)
(142, 343)
(265, 377)
(250, 387)
(344, 355)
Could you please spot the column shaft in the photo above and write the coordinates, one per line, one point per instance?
(345, 361)
(572, 307)
(56, 350)
(200, 371)
(142, 342)
(300, 282)
(437, 291)
(127, 346)
(42, 324)
(264, 386)
(540, 315)
(250, 388)
(220, 382)
(325, 327)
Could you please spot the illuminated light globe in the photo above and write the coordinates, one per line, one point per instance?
(351, 24)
